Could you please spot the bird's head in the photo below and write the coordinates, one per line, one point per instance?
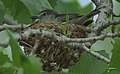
(46, 16)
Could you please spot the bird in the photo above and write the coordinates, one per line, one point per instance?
(52, 16)
(54, 47)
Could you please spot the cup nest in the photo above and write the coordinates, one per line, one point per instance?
(55, 55)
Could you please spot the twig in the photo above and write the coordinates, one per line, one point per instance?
(63, 38)
(89, 39)
(112, 35)
(36, 44)
(19, 26)
(105, 25)
(95, 54)
(82, 40)
(66, 39)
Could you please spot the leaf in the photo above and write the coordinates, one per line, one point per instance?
(115, 60)
(63, 29)
(118, 1)
(36, 64)
(114, 65)
(67, 19)
(88, 65)
(18, 10)
(30, 65)
(72, 6)
(4, 36)
(7, 70)
(103, 45)
(67, 7)
(117, 8)
(86, 9)
(4, 58)
(35, 6)
(6, 66)
(52, 3)
(112, 71)
(16, 50)
(2, 12)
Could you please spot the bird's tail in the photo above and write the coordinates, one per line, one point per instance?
(84, 19)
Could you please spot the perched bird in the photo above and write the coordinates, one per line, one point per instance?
(51, 16)
(55, 56)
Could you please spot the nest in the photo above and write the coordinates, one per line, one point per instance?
(55, 55)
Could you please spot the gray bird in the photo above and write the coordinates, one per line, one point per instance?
(51, 16)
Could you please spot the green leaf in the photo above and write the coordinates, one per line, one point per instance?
(2, 12)
(31, 65)
(7, 70)
(72, 6)
(117, 9)
(4, 58)
(52, 3)
(88, 65)
(18, 10)
(16, 50)
(6, 66)
(63, 28)
(118, 1)
(103, 45)
(112, 71)
(36, 6)
(114, 65)
(117, 12)
(115, 60)
(36, 64)
(67, 19)
(68, 7)
(87, 8)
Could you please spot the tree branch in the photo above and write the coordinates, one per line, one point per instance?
(63, 38)
(95, 54)
(19, 26)
(101, 27)
(106, 11)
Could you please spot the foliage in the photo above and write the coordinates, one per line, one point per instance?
(89, 64)
(22, 10)
(29, 64)
(2, 12)
(118, 1)
(17, 10)
(114, 66)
